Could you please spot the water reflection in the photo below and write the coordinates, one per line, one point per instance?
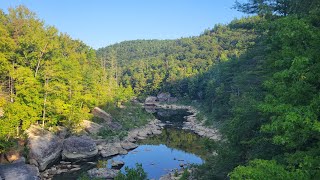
(158, 160)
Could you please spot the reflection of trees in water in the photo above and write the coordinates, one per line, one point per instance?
(182, 140)
(174, 116)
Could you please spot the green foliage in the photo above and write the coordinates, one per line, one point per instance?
(264, 170)
(102, 163)
(107, 133)
(132, 174)
(130, 116)
(85, 176)
(152, 65)
(48, 78)
(185, 175)
(5, 145)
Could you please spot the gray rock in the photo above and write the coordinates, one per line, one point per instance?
(75, 169)
(150, 100)
(117, 164)
(109, 150)
(19, 171)
(163, 97)
(102, 114)
(156, 131)
(45, 147)
(61, 132)
(120, 149)
(150, 108)
(128, 145)
(78, 148)
(144, 132)
(21, 159)
(91, 127)
(103, 173)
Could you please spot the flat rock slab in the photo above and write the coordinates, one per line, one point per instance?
(103, 173)
(128, 145)
(77, 148)
(117, 164)
(19, 171)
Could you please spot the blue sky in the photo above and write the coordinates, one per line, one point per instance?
(103, 22)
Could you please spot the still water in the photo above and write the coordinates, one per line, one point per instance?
(168, 151)
(158, 160)
(161, 153)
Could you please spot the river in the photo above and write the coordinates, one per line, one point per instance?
(173, 149)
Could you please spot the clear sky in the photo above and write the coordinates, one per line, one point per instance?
(99, 23)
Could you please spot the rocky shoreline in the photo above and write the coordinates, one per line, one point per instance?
(47, 148)
(193, 124)
(107, 149)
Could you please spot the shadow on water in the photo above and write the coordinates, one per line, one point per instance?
(172, 117)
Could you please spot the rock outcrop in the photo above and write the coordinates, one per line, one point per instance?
(117, 164)
(150, 100)
(153, 128)
(79, 148)
(175, 175)
(111, 149)
(127, 145)
(102, 114)
(103, 173)
(91, 127)
(194, 125)
(97, 112)
(45, 147)
(163, 97)
(19, 170)
(63, 167)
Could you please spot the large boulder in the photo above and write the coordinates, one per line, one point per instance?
(91, 127)
(150, 100)
(108, 151)
(45, 147)
(102, 114)
(104, 173)
(112, 149)
(19, 170)
(79, 148)
(163, 97)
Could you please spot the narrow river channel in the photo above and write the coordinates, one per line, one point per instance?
(173, 149)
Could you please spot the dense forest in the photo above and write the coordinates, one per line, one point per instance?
(46, 77)
(258, 78)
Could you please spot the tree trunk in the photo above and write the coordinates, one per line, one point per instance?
(45, 102)
(11, 83)
(39, 59)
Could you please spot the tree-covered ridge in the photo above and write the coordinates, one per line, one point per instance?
(259, 78)
(268, 101)
(151, 65)
(46, 77)
(127, 51)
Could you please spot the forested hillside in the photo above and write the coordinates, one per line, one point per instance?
(258, 77)
(46, 77)
(151, 65)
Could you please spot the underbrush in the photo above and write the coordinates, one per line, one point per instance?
(130, 115)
